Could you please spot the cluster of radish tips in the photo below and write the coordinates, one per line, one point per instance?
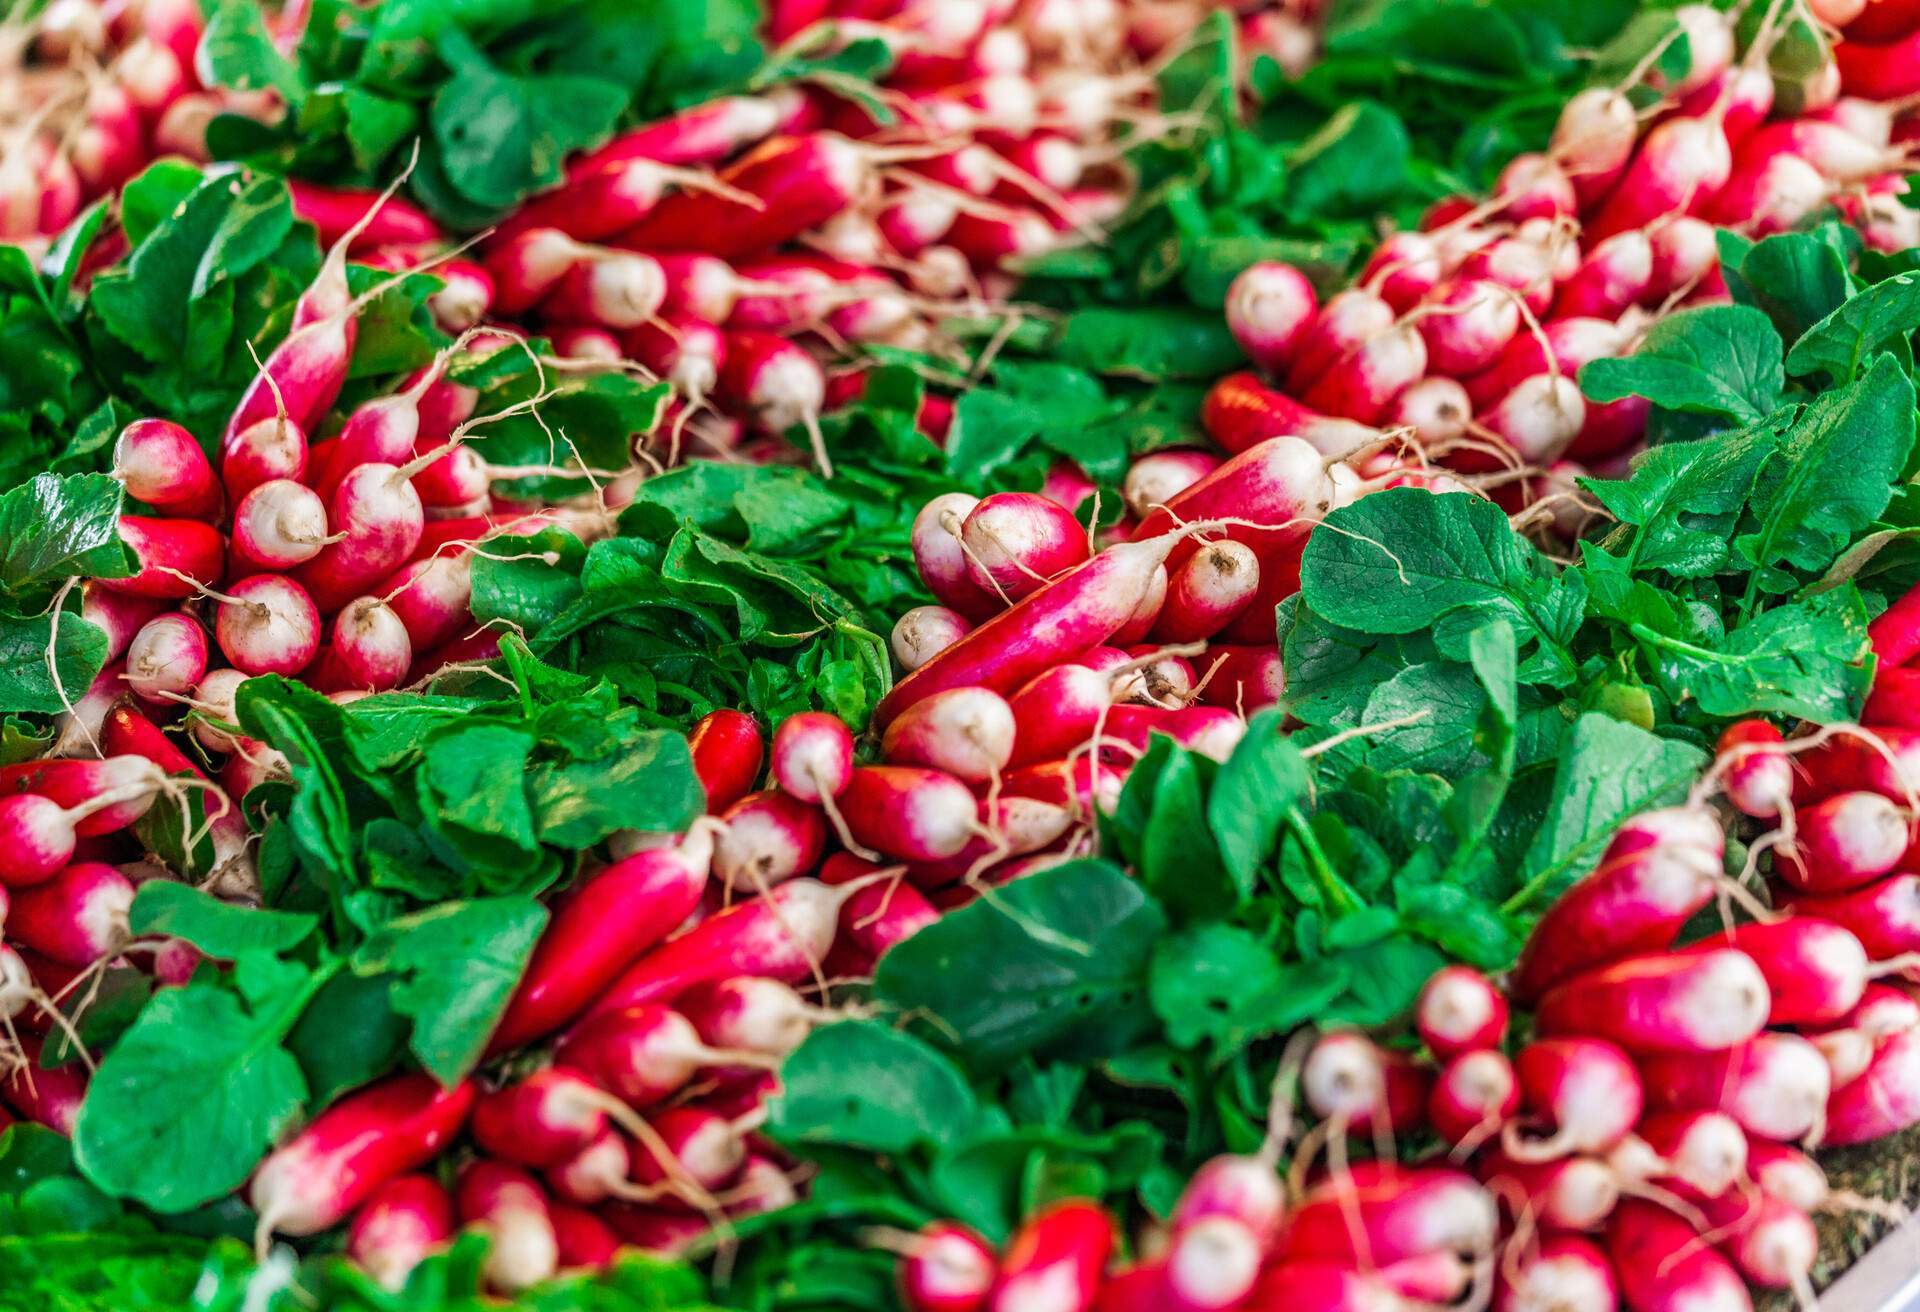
(1460, 344)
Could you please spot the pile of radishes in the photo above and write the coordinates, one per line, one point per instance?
(1465, 337)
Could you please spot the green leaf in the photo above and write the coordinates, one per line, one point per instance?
(191, 1096)
(26, 684)
(222, 930)
(1053, 962)
(1806, 660)
(1447, 700)
(1356, 161)
(1251, 795)
(1798, 278)
(349, 1035)
(1608, 771)
(459, 963)
(1686, 497)
(1178, 862)
(1220, 985)
(1841, 343)
(859, 1084)
(54, 528)
(646, 783)
(238, 52)
(1713, 360)
(1151, 345)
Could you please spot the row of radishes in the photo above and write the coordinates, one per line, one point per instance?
(1468, 334)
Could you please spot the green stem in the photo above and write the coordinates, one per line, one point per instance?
(1339, 894)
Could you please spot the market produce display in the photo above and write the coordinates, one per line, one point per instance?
(955, 656)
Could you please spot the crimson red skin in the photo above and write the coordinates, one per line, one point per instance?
(73, 782)
(1459, 1009)
(45, 1095)
(1391, 1213)
(1695, 1002)
(1573, 1083)
(1566, 1193)
(541, 1119)
(949, 1269)
(77, 917)
(1816, 970)
(1847, 763)
(812, 755)
(1615, 274)
(1281, 483)
(1680, 163)
(315, 1179)
(1240, 412)
(189, 546)
(878, 917)
(1205, 595)
(1348, 320)
(800, 181)
(640, 1055)
(1245, 678)
(586, 1243)
(596, 205)
(408, 1219)
(308, 369)
(909, 812)
(163, 465)
(432, 597)
(1062, 1247)
(1883, 915)
(1843, 842)
(1663, 1266)
(727, 754)
(597, 931)
(1758, 779)
(1880, 72)
(383, 520)
(1775, 1086)
(1895, 699)
(335, 210)
(1018, 540)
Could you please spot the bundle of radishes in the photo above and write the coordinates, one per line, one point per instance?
(1465, 337)
(91, 91)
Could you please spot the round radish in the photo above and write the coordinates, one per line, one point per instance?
(167, 657)
(1270, 307)
(267, 624)
(1015, 541)
(278, 525)
(370, 648)
(924, 632)
(812, 756)
(967, 732)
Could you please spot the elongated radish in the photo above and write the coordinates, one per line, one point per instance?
(409, 1219)
(1816, 970)
(1585, 1089)
(1280, 485)
(909, 812)
(1347, 321)
(1013, 542)
(1758, 777)
(1561, 1273)
(1054, 1260)
(1663, 1266)
(616, 290)
(1539, 419)
(38, 836)
(167, 656)
(702, 1147)
(1772, 1242)
(1159, 476)
(1615, 274)
(1653, 876)
(379, 518)
(510, 1208)
(267, 624)
(76, 917)
(1594, 139)
(1884, 916)
(47, 1095)
(727, 753)
(967, 732)
(1056, 712)
(1563, 1193)
(749, 1013)
(1246, 1189)
(433, 597)
(1382, 1214)
(162, 464)
(768, 837)
(946, 1268)
(1240, 412)
(1683, 161)
(1459, 1009)
(1844, 842)
(118, 615)
(164, 551)
(1775, 1085)
(772, 380)
(599, 929)
(1209, 730)
(924, 632)
(541, 1119)
(1467, 325)
(1701, 1003)
(381, 220)
(78, 785)
(315, 1179)
(1884, 1099)
(1270, 308)
(1243, 679)
(783, 935)
(1349, 1079)
(582, 1241)
(942, 560)
(796, 182)
(812, 756)
(1705, 1151)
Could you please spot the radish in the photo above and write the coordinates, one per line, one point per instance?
(543, 1118)
(213, 701)
(1788, 1174)
(1816, 971)
(1361, 385)
(1467, 325)
(1244, 679)
(1054, 1260)
(924, 632)
(49, 1096)
(685, 351)
(783, 934)
(1561, 1273)
(812, 756)
(946, 1268)
(882, 915)
(80, 784)
(1384, 1213)
(1240, 412)
(530, 263)
(1615, 274)
(167, 656)
(1849, 762)
(433, 597)
(1772, 1242)
(1539, 419)
(1682, 162)
(40, 835)
(1281, 485)
(1270, 308)
(1663, 1266)
(702, 1149)
(1884, 916)
(1561, 1193)
(1212, 1264)
(768, 837)
(1657, 872)
(1353, 1082)
(600, 928)
(661, 1234)
(942, 560)
(1209, 730)
(370, 649)
(1205, 594)
(1056, 712)
(1348, 321)
(1008, 824)
(750, 1014)
(966, 732)
(1757, 776)
(379, 518)
(1013, 542)
(76, 917)
(1704, 1151)
(601, 203)
(700, 134)
(279, 524)
(1159, 476)
(1685, 251)
(1774, 194)
(1699, 1002)
(1774, 1085)
(1585, 1088)
(909, 812)
(1141, 619)
(1475, 1094)
(1883, 1100)
(597, 1173)
(1710, 48)
(1523, 266)
(1594, 140)
(1241, 1188)
(162, 464)
(612, 290)
(582, 1241)
(1534, 186)
(361, 218)
(266, 624)
(778, 384)
(727, 754)
(465, 299)
(1406, 267)
(1843, 842)
(118, 615)
(509, 1207)
(794, 182)
(1459, 1009)
(314, 1180)
(175, 556)
(409, 1219)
